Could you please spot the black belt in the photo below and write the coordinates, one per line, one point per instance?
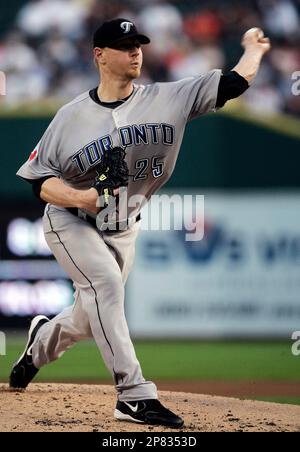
(118, 226)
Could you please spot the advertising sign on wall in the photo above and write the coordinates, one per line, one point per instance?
(241, 280)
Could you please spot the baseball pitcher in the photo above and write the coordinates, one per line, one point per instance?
(118, 136)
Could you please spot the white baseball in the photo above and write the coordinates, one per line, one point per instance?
(255, 30)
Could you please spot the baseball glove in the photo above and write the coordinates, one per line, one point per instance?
(112, 173)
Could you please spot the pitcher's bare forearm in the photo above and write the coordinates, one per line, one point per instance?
(249, 64)
(55, 191)
(255, 45)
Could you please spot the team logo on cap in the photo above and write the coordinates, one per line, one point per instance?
(126, 26)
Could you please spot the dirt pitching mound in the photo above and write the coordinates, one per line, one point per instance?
(68, 407)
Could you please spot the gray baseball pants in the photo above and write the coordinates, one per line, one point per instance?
(98, 264)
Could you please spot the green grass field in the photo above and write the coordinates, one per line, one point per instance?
(163, 360)
(191, 360)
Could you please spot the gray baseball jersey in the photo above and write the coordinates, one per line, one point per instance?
(150, 124)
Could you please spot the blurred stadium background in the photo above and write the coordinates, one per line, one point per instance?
(214, 316)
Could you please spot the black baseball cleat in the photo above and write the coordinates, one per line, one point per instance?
(24, 371)
(149, 411)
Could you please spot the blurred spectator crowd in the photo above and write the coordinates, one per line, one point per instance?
(47, 52)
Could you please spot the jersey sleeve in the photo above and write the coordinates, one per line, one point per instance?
(43, 161)
(198, 95)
